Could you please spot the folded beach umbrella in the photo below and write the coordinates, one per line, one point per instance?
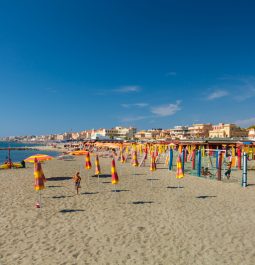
(134, 160)
(167, 160)
(179, 172)
(153, 163)
(97, 166)
(87, 161)
(122, 157)
(39, 157)
(115, 178)
(39, 176)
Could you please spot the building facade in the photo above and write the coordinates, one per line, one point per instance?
(251, 133)
(180, 132)
(200, 130)
(227, 131)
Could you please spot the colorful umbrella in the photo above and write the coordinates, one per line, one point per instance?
(153, 164)
(122, 157)
(179, 172)
(97, 166)
(115, 178)
(87, 161)
(39, 157)
(135, 161)
(39, 175)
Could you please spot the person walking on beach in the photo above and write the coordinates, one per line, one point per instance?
(77, 181)
(227, 173)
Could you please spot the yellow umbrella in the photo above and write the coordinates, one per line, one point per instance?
(39, 157)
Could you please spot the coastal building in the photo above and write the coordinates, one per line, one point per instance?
(113, 133)
(148, 134)
(123, 133)
(200, 130)
(164, 134)
(251, 133)
(180, 132)
(64, 136)
(227, 131)
(75, 136)
(140, 135)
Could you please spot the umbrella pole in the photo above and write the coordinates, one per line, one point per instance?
(98, 182)
(88, 177)
(115, 194)
(151, 178)
(40, 198)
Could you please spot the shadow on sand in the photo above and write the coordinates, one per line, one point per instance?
(62, 197)
(54, 186)
(102, 176)
(89, 193)
(142, 202)
(119, 190)
(71, 210)
(58, 178)
(205, 197)
(174, 187)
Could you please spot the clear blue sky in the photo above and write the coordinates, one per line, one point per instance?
(88, 64)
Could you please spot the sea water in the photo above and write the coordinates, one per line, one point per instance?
(19, 155)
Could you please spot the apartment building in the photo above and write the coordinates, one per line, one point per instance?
(251, 133)
(180, 132)
(227, 131)
(200, 130)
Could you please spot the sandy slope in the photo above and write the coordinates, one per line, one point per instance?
(144, 222)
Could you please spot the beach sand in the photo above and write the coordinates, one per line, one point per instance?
(147, 220)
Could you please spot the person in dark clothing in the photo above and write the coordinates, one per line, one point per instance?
(23, 163)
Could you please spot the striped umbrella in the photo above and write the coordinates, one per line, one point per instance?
(153, 163)
(39, 175)
(134, 160)
(115, 178)
(39, 157)
(97, 166)
(87, 161)
(179, 172)
(122, 157)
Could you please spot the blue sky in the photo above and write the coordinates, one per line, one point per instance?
(74, 65)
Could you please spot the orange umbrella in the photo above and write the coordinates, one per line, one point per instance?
(39, 157)
(78, 153)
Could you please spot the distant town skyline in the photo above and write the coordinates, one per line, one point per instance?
(148, 64)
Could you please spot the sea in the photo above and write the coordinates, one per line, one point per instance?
(19, 155)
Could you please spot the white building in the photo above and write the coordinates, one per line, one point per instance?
(251, 134)
(117, 132)
(180, 132)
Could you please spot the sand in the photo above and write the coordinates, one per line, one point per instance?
(143, 222)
